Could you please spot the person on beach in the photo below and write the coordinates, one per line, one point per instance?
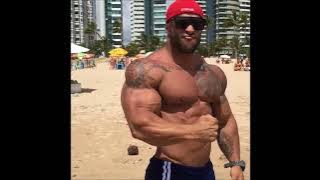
(175, 101)
(237, 65)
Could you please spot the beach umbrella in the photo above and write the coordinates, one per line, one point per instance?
(118, 52)
(78, 49)
(225, 56)
(115, 55)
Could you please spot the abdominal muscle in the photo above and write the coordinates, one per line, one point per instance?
(191, 152)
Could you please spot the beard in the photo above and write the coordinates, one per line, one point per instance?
(179, 43)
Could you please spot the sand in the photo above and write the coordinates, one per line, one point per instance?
(100, 135)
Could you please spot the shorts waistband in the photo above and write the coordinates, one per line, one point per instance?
(160, 162)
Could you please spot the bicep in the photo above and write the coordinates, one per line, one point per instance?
(140, 100)
(138, 103)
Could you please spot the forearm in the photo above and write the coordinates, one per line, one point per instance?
(228, 140)
(153, 130)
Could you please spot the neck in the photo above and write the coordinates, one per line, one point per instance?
(182, 59)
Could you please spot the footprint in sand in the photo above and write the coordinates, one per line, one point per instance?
(83, 107)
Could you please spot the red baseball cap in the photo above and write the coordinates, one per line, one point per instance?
(183, 6)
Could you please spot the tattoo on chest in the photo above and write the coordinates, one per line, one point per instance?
(208, 83)
(166, 67)
(138, 76)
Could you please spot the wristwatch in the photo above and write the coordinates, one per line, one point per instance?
(241, 163)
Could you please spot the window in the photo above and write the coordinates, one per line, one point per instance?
(116, 6)
(160, 2)
(159, 14)
(116, 12)
(159, 26)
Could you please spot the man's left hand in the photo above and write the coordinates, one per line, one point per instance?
(236, 173)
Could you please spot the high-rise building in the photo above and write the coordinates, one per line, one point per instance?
(159, 19)
(154, 12)
(223, 9)
(100, 18)
(82, 13)
(245, 8)
(137, 19)
(203, 5)
(113, 11)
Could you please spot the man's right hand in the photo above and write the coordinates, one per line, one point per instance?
(207, 128)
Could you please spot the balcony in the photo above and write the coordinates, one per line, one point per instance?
(160, 5)
(116, 34)
(230, 8)
(138, 13)
(117, 40)
(160, 11)
(160, 22)
(159, 17)
(138, 4)
(139, 9)
(116, 15)
(115, 9)
(116, 2)
(228, 2)
(160, 29)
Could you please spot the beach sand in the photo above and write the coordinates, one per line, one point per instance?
(100, 135)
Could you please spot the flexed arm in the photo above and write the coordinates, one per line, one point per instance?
(141, 103)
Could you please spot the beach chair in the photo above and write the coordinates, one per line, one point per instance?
(119, 65)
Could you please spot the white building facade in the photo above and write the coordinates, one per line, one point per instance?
(137, 21)
(82, 13)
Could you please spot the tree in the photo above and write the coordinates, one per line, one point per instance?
(235, 45)
(148, 43)
(238, 21)
(132, 49)
(91, 31)
(210, 21)
(102, 45)
(220, 44)
(117, 26)
(202, 50)
(97, 46)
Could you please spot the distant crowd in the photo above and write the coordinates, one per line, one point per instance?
(242, 64)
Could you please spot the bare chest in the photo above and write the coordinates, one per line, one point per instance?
(179, 88)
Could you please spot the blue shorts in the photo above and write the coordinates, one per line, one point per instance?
(165, 170)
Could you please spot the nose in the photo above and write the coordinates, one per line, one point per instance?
(189, 28)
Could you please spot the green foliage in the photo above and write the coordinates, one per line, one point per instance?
(148, 43)
(238, 21)
(132, 49)
(117, 26)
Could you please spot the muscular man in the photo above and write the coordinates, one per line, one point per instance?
(174, 100)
